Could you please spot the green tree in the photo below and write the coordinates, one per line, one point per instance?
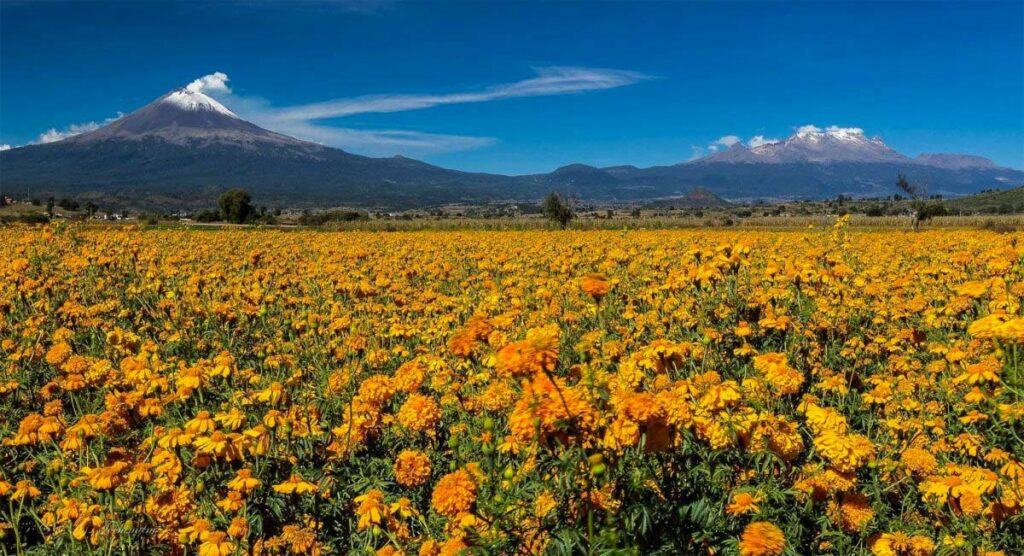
(236, 206)
(923, 210)
(557, 209)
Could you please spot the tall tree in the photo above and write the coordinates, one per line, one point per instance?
(557, 209)
(236, 206)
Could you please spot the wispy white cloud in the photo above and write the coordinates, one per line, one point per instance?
(53, 134)
(381, 142)
(549, 81)
(725, 141)
(5, 147)
(302, 121)
(696, 151)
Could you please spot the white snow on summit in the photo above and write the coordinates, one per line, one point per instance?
(845, 133)
(195, 101)
(814, 133)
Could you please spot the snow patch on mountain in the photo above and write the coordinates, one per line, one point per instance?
(195, 101)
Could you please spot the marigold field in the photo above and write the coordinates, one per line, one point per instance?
(823, 391)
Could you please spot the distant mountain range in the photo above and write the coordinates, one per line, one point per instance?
(184, 148)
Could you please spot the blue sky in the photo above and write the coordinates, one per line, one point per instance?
(527, 87)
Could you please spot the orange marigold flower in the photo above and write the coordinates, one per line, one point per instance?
(537, 353)
(595, 285)
(419, 413)
(762, 538)
(455, 493)
(412, 468)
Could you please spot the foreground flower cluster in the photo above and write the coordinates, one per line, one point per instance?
(701, 392)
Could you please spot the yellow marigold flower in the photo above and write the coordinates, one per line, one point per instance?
(412, 468)
(762, 538)
(273, 394)
(901, 544)
(776, 370)
(216, 544)
(852, 513)
(844, 452)
(403, 508)
(742, 503)
(105, 478)
(141, 473)
(24, 489)
(985, 371)
(232, 420)
(453, 546)
(244, 482)
(199, 530)
(918, 461)
(239, 527)
(376, 389)
(371, 509)
(59, 353)
(454, 493)
(232, 502)
(295, 485)
(202, 423)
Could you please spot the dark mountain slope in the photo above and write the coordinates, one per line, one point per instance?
(186, 142)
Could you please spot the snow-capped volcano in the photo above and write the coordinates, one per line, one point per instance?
(187, 99)
(187, 116)
(814, 145)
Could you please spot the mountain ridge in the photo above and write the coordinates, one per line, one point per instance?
(187, 146)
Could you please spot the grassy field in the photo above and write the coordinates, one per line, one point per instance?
(1011, 200)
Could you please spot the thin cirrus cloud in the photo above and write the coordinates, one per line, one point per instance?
(549, 81)
(303, 121)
